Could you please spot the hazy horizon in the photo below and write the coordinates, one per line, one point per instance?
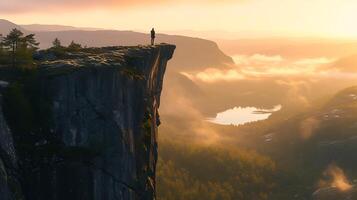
(210, 34)
(320, 18)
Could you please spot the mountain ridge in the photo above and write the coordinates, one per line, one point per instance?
(54, 27)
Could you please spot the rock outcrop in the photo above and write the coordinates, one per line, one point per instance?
(93, 136)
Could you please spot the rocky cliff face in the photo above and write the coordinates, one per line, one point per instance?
(93, 134)
(8, 182)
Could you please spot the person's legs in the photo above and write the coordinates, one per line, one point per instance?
(152, 41)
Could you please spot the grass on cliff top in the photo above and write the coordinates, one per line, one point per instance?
(55, 62)
(65, 60)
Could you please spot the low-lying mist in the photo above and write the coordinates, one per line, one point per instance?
(254, 81)
(261, 66)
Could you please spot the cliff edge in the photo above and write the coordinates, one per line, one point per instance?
(82, 125)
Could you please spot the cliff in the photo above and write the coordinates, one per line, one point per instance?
(8, 183)
(83, 125)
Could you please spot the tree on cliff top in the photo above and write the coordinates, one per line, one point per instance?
(57, 47)
(20, 47)
(74, 46)
(2, 52)
(11, 41)
(1, 43)
(56, 44)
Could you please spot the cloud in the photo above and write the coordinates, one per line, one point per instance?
(213, 75)
(297, 92)
(335, 177)
(16, 6)
(263, 66)
(38, 5)
(184, 120)
(314, 61)
(257, 59)
(181, 118)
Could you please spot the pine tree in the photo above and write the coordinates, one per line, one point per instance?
(56, 44)
(2, 52)
(74, 46)
(20, 47)
(30, 42)
(1, 43)
(11, 41)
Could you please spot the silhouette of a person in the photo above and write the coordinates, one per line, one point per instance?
(153, 35)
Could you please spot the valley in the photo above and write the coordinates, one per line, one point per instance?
(261, 119)
(314, 129)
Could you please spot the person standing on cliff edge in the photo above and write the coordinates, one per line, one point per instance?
(153, 35)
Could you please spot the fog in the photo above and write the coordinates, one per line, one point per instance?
(334, 176)
(257, 80)
(259, 66)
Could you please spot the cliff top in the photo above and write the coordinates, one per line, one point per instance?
(96, 57)
(59, 61)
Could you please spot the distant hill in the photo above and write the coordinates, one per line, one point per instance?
(6, 26)
(191, 53)
(45, 27)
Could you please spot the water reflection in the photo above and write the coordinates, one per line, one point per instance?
(242, 115)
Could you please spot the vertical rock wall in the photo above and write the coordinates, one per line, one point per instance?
(104, 112)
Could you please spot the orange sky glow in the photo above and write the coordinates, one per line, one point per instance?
(327, 18)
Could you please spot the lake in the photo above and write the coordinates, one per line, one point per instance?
(242, 115)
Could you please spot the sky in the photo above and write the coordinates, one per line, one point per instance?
(327, 18)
